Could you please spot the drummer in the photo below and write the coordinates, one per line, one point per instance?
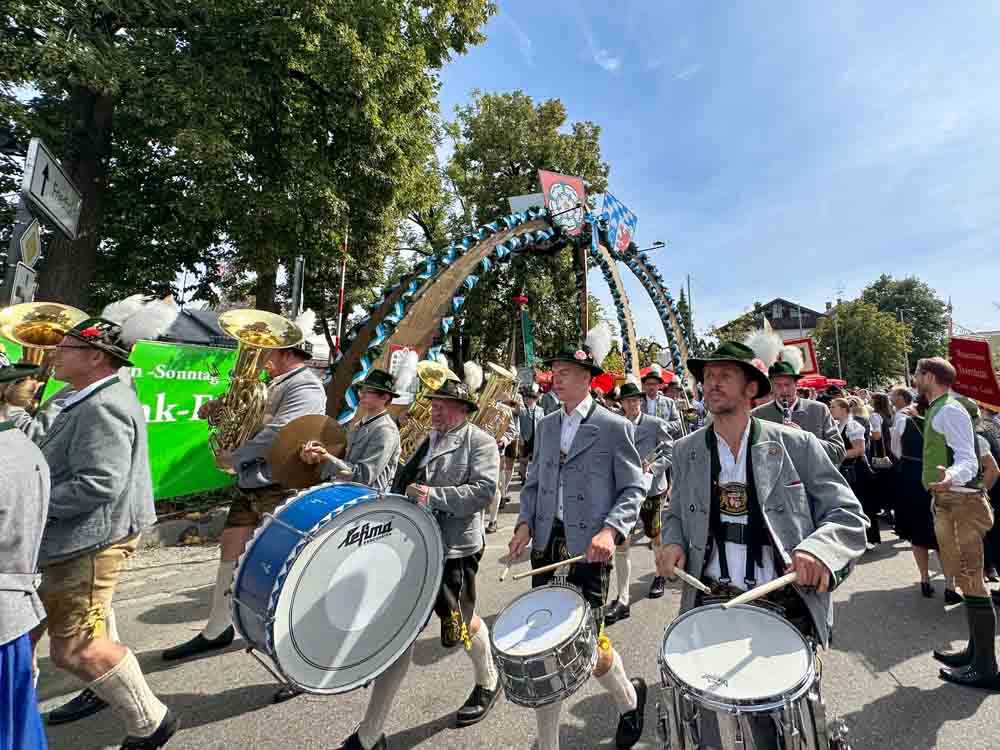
(454, 474)
(775, 503)
(582, 496)
(372, 444)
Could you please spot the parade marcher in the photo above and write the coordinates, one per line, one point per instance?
(293, 391)
(752, 500)
(454, 473)
(854, 467)
(24, 502)
(372, 443)
(962, 516)
(988, 451)
(102, 498)
(507, 445)
(790, 409)
(528, 418)
(582, 496)
(657, 405)
(655, 447)
(549, 403)
(901, 400)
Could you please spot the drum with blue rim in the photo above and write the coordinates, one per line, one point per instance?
(337, 583)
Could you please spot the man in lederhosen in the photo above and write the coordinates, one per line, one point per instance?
(752, 500)
(454, 473)
(293, 391)
(582, 496)
(528, 418)
(372, 443)
(657, 405)
(655, 448)
(789, 409)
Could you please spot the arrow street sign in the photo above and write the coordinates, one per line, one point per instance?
(24, 285)
(50, 190)
(31, 244)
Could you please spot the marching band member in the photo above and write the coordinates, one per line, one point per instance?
(549, 403)
(453, 473)
(102, 497)
(507, 445)
(293, 391)
(372, 443)
(582, 496)
(790, 409)
(657, 405)
(752, 500)
(24, 502)
(528, 418)
(655, 448)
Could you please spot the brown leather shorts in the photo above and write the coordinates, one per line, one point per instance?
(249, 508)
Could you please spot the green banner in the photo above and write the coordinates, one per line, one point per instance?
(172, 382)
(528, 337)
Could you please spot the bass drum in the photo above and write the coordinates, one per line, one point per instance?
(337, 584)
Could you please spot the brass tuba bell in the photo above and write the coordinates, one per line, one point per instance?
(432, 375)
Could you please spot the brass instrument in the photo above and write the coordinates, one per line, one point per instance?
(499, 387)
(432, 375)
(241, 411)
(38, 327)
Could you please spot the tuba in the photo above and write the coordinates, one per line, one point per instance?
(499, 387)
(432, 376)
(38, 327)
(242, 406)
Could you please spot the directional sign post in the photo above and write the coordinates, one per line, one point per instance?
(50, 190)
(31, 244)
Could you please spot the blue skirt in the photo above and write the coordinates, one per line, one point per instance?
(20, 722)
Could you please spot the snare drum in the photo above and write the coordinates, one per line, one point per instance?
(337, 583)
(745, 670)
(544, 645)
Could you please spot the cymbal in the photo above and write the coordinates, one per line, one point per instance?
(287, 468)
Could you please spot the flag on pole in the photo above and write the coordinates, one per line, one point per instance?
(621, 224)
(566, 200)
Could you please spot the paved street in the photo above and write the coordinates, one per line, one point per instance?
(879, 676)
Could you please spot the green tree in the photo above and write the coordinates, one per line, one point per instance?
(614, 362)
(741, 327)
(872, 344)
(924, 313)
(648, 351)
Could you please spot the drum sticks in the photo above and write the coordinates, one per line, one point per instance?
(547, 568)
(690, 580)
(762, 590)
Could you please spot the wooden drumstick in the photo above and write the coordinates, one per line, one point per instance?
(763, 590)
(504, 572)
(690, 580)
(547, 568)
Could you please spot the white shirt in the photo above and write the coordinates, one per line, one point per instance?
(79, 396)
(854, 431)
(954, 422)
(649, 405)
(875, 422)
(898, 427)
(570, 424)
(733, 468)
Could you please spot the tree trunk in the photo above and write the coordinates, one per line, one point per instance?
(266, 289)
(68, 270)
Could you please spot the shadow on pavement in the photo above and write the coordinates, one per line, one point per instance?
(415, 735)
(175, 611)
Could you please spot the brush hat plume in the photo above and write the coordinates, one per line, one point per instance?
(591, 354)
(473, 375)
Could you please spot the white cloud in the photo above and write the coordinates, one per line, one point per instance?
(687, 72)
(600, 55)
(604, 58)
(524, 43)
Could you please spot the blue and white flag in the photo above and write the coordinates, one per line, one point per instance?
(621, 224)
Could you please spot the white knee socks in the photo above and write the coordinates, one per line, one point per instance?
(383, 695)
(111, 626)
(616, 682)
(127, 691)
(482, 659)
(495, 506)
(623, 569)
(220, 617)
(547, 718)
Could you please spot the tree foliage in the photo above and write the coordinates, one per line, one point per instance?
(648, 351)
(872, 344)
(739, 328)
(923, 312)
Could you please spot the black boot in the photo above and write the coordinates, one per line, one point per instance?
(85, 704)
(952, 597)
(982, 672)
(656, 590)
(353, 743)
(168, 727)
(199, 645)
(617, 611)
(630, 723)
(479, 703)
(963, 657)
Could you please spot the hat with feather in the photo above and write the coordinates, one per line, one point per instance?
(590, 354)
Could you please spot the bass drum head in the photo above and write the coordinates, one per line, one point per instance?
(743, 655)
(539, 620)
(357, 595)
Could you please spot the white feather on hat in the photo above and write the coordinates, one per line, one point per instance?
(150, 321)
(120, 311)
(599, 342)
(473, 375)
(441, 359)
(766, 346)
(793, 356)
(306, 322)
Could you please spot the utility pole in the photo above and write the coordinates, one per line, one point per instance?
(836, 338)
(906, 353)
(690, 304)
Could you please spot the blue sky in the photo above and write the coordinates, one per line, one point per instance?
(780, 149)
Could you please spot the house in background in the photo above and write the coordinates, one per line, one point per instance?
(790, 320)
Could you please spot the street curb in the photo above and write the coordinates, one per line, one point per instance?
(208, 527)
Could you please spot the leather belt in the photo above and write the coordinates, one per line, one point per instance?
(734, 532)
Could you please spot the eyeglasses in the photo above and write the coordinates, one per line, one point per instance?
(73, 346)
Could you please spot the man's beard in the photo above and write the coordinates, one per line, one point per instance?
(727, 407)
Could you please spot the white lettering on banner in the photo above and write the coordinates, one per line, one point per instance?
(161, 372)
(165, 412)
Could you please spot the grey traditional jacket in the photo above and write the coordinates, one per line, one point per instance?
(527, 421)
(24, 504)
(98, 455)
(666, 410)
(549, 402)
(292, 395)
(650, 434)
(462, 473)
(807, 506)
(812, 416)
(35, 427)
(602, 480)
(372, 453)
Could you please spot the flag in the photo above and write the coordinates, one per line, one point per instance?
(563, 194)
(621, 224)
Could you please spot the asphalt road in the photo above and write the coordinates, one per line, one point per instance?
(879, 675)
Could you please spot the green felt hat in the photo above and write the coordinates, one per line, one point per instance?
(629, 390)
(581, 357)
(781, 369)
(379, 380)
(732, 351)
(455, 391)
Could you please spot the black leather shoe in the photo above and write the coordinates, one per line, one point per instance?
(480, 702)
(972, 677)
(630, 723)
(503, 501)
(657, 588)
(85, 704)
(157, 739)
(952, 597)
(353, 743)
(492, 528)
(286, 693)
(954, 659)
(199, 645)
(617, 611)
(926, 589)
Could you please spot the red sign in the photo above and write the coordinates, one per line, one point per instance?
(565, 199)
(974, 365)
(808, 349)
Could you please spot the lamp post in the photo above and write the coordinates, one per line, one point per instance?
(906, 352)
(836, 338)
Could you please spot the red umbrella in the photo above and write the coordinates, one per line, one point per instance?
(819, 381)
(605, 382)
(667, 375)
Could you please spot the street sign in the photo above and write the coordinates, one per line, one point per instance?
(31, 244)
(24, 285)
(50, 189)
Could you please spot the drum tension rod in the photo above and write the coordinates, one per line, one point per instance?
(268, 667)
(281, 523)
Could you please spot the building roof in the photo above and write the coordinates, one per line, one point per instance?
(796, 305)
